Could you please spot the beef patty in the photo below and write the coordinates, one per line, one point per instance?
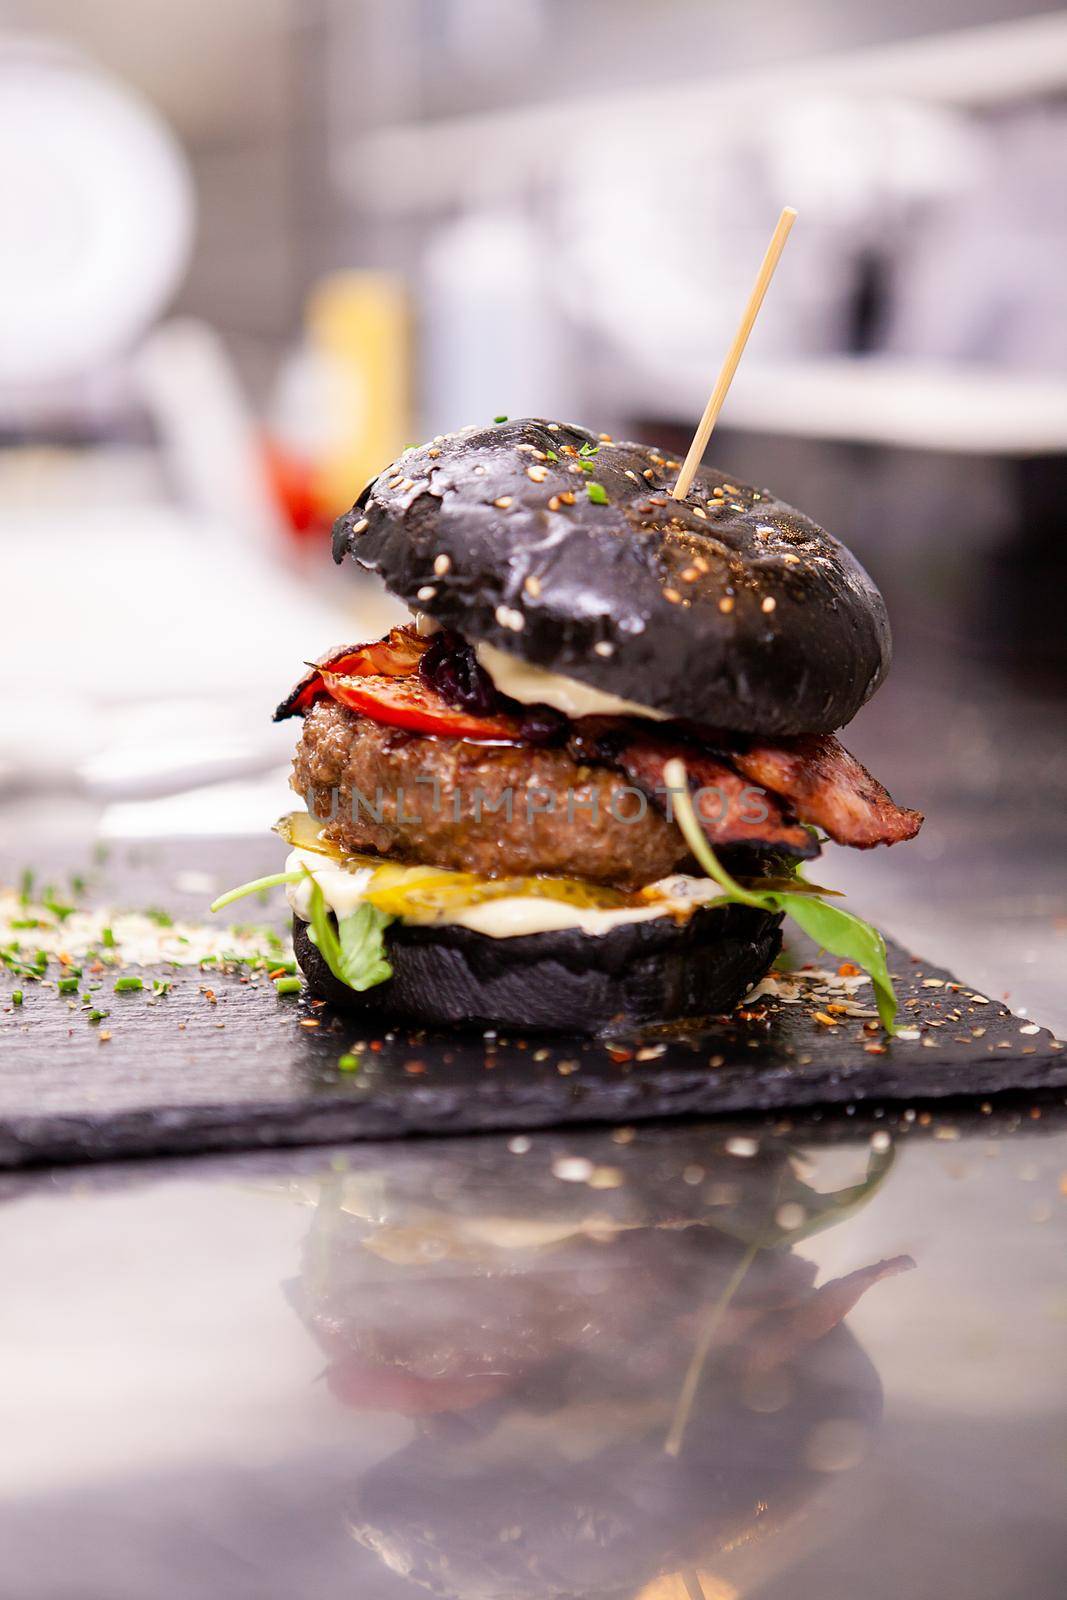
(497, 810)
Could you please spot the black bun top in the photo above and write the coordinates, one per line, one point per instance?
(728, 608)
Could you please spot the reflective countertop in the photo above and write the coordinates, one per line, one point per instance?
(792, 1361)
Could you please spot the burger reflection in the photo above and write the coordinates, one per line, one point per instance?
(612, 1382)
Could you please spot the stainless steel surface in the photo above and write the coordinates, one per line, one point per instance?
(166, 1328)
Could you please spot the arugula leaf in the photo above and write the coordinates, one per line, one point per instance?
(255, 887)
(833, 929)
(355, 953)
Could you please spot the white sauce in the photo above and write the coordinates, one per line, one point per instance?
(535, 686)
(507, 918)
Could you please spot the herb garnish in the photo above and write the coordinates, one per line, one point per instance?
(597, 493)
(833, 929)
(355, 953)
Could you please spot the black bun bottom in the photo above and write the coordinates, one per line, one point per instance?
(564, 981)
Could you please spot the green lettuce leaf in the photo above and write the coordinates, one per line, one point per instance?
(355, 951)
(833, 929)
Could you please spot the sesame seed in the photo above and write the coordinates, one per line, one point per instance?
(701, 564)
(731, 488)
(649, 474)
(769, 603)
(790, 558)
(362, 525)
(408, 483)
(503, 502)
(698, 511)
(427, 592)
(690, 575)
(553, 504)
(605, 438)
(508, 618)
(726, 604)
(480, 471)
(553, 427)
(630, 473)
(441, 565)
(603, 648)
(433, 454)
(537, 474)
(765, 530)
(672, 595)
(567, 496)
(532, 585)
(718, 492)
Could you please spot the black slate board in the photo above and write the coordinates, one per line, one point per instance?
(190, 1074)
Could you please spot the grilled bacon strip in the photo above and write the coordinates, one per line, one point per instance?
(825, 786)
(731, 810)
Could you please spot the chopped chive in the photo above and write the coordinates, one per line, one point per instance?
(107, 938)
(16, 997)
(58, 910)
(348, 1062)
(500, 419)
(128, 985)
(160, 986)
(67, 986)
(26, 882)
(287, 986)
(97, 1016)
(597, 493)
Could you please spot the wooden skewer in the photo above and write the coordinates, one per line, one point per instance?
(729, 366)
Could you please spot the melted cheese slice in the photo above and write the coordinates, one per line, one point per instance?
(535, 686)
(507, 918)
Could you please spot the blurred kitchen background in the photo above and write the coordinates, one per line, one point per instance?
(250, 250)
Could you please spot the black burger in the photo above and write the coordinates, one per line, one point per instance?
(578, 789)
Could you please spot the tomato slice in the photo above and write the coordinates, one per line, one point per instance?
(396, 656)
(408, 702)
